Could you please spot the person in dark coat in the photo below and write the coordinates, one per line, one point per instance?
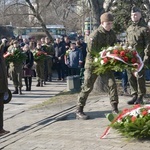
(3, 88)
(27, 68)
(60, 50)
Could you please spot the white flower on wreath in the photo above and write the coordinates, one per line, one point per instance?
(110, 48)
(102, 62)
(116, 47)
(130, 48)
(96, 59)
(134, 113)
(108, 53)
(124, 47)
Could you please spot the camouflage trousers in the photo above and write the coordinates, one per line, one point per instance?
(16, 75)
(137, 84)
(89, 80)
(40, 71)
(48, 68)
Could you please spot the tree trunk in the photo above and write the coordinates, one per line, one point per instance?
(100, 85)
(97, 9)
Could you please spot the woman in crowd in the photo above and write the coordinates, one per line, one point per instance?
(27, 69)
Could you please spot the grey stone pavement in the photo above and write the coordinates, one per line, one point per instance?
(55, 127)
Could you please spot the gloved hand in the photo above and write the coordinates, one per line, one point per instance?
(4, 40)
(145, 59)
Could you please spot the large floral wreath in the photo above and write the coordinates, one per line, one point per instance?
(132, 123)
(117, 58)
(17, 56)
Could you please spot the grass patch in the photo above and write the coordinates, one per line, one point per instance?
(62, 97)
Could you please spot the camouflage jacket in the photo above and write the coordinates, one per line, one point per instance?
(49, 49)
(138, 37)
(100, 38)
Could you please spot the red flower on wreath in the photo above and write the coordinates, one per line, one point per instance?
(134, 53)
(133, 60)
(105, 60)
(126, 59)
(133, 118)
(144, 113)
(116, 51)
(122, 53)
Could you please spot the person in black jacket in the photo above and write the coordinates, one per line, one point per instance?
(27, 69)
(60, 50)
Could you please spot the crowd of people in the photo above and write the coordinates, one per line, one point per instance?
(63, 56)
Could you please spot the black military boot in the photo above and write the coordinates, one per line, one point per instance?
(16, 91)
(115, 108)
(80, 114)
(38, 84)
(20, 91)
(139, 100)
(133, 100)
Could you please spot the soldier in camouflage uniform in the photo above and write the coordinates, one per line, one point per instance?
(49, 49)
(39, 67)
(102, 37)
(15, 69)
(138, 37)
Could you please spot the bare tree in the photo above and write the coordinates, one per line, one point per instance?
(36, 14)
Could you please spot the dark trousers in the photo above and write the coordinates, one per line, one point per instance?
(60, 67)
(124, 80)
(28, 82)
(74, 71)
(1, 110)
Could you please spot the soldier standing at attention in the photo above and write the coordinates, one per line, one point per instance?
(15, 69)
(49, 49)
(102, 37)
(3, 87)
(138, 37)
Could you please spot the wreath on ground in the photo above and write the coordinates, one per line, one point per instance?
(131, 123)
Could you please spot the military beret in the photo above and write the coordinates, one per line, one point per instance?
(105, 17)
(135, 9)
